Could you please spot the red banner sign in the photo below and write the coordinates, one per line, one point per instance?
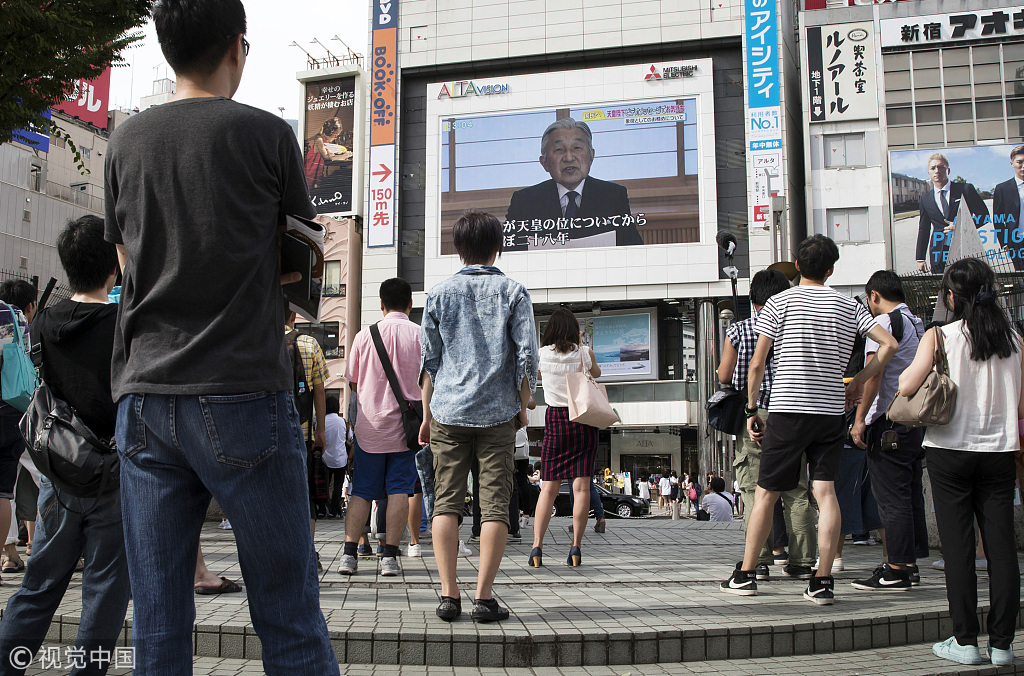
(90, 101)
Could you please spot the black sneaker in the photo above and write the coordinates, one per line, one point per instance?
(488, 611)
(741, 582)
(799, 572)
(474, 538)
(515, 537)
(885, 579)
(761, 572)
(449, 608)
(819, 590)
(915, 576)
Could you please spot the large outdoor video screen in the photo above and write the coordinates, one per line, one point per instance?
(983, 178)
(632, 180)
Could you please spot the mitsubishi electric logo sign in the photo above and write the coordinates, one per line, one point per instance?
(670, 73)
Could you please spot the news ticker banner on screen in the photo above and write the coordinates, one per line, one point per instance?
(380, 226)
(328, 143)
(983, 178)
(630, 149)
(764, 108)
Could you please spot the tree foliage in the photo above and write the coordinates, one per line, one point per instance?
(50, 44)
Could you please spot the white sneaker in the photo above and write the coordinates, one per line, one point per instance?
(998, 656)
(413, 551)
(464, 550)
(939, 565)
(837, 564)
(225, 525)
(349, 565)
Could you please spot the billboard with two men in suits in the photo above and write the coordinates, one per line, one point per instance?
(579, 176)
(928, 187)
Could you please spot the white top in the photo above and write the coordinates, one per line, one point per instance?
(985, 418)
(665, 486)
(522, 444)
(718, 507)
(814, 328)
(553, 367)
(644, 490)
(335, 434)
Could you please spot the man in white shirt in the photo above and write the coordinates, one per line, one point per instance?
(337, 436)
(1006, 211)
(938, 209)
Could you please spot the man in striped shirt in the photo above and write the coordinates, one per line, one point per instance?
(799, 516)
(812, 328)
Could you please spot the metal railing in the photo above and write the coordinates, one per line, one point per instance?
(78, 197)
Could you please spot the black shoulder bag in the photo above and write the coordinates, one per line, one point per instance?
(412, 411)
(64, 448)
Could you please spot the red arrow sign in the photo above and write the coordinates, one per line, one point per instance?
(383, 174)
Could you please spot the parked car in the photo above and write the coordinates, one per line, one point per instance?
(623, 506)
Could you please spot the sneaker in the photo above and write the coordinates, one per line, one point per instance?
(413, 551)
(799, 572)
(319, 566)
(389, 566)
(939, 565)
(380, 550)
(426, 534)
(837, 564)
(515, 538)
(464, 550)
(819, 590)
(868, 542)
(999, 656)
(225, 525)
(474, 538)
(349, 564)
(761, 572)
(488, 611)
(964, 654)
(782, 559)
(449, 608)
(884, 579)
(364, 550)
(915, 576)
(741, 582)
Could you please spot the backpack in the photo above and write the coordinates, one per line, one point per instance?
(856, 363)
(303, 392)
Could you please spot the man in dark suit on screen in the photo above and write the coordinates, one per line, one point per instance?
(567, 151)
(939, 207)
(1006, 211)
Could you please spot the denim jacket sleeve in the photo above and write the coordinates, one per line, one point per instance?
(430, 342)
(524, 338)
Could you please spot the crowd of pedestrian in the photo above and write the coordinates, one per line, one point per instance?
(203, 409)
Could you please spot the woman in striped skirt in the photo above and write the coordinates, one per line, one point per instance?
(570, 449)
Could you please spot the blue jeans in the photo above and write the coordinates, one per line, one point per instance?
(68, 528)
(425, 468)
(595, 501)
(247, 451)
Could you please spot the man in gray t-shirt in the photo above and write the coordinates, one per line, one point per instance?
(195, 190)
(894, 461)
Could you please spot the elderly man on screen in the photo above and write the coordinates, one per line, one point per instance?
(567, 152)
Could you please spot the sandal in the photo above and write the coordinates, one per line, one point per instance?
(226, 586)
(12, 567)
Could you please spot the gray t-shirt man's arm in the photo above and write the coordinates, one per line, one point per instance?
(194, 191)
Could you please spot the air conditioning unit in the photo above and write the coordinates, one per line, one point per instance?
(26, 216)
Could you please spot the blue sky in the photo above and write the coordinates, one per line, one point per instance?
(983, 166)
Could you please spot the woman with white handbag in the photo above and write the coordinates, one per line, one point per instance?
(570, 448)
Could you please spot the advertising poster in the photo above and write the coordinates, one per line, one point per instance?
(328, 143)
(380, 226)
(634, 179)
(622, 344)
(841, 72)
(89, 101)
(982, 177)
(764, 110)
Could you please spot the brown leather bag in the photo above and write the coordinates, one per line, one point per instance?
(934, 402)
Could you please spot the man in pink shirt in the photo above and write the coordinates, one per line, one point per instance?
(383, 464)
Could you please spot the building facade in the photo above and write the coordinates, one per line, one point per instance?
(694, 117)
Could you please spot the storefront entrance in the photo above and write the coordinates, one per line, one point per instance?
(640, 466)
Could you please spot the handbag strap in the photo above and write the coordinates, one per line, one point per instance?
(941, 362)
(583, 365)
(17, 329)
(389, 370)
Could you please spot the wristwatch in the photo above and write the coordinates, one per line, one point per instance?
(750, 413)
